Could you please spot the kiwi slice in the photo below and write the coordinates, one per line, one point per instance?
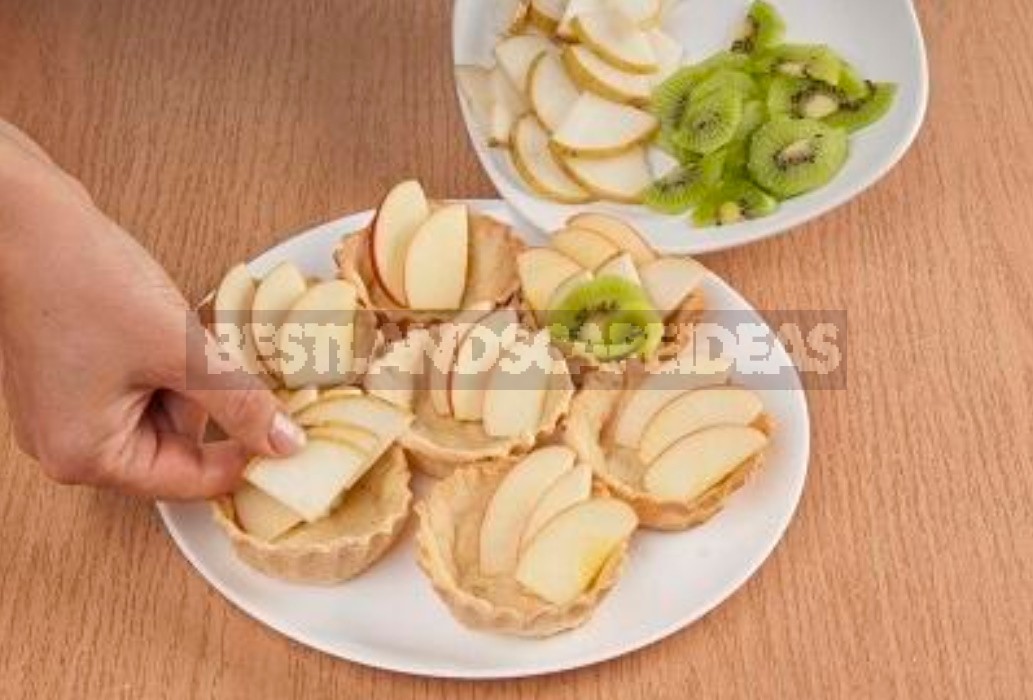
(852, 84)
(734, 202)
(802, 97)
(669, 102)
(710, 122)
(868, 110)
(740, 82)
(762, 28)
(608, 318)
(789, 157)
(813, 61)
(683, 187)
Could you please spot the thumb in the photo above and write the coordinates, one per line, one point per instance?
(241, 404)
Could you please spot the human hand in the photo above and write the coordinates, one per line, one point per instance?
(105, 380)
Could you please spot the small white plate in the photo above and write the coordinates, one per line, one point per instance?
(881, 37)
(391, 618)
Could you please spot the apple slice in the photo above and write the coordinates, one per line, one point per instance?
(695, 411)
(644, 13)
(573, 487)
(315, 342)
(565, 557)
(508, 105)
(584, 247)
(596, 75)
(310, 482)
(597, 128)
(276, 294)
(480, 350)
(295, 401)
(546, 14)
(617, 232)
(436, 260)
(448, 338)
(364, 440)
(515, 55)
(617, 40)
(474, 83)
(231, 313)
(513, 503)
(514, 394)
(379, 417)
(400, 214)
(658, 388)
(535, 163)
(620, 178)
(668, 54)
(260, 515)
(566, 287)
(335, 392)
(620, 265)
(668, 281)
(512, 15)
(565, 29)
(550, 90)
(395, 374)
(692, 465)
(542, 271)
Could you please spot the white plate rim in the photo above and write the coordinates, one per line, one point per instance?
(361, 655)
(711, 239)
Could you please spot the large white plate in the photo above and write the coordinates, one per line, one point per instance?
(390, 618)
(881, 37)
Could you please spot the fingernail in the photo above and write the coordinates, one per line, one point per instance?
(285, 436)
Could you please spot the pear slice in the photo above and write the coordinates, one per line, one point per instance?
(565, 29)
(596, 75)
(587, 248)
(692, 465)
(535, 163)
(669, 54)
(475, 85)
(542, 271)
(508, 105)
(299, 399)
(550, 90)
(512, 15)
(566, 556)
(668, 281)
(336, 392)
(403, 210)
(514, 394)
(573, 487)
(364, 440)
(513, 503)
(436, 260)
(231, 315)
(617, 40)
(546, 14)
(695, 411)
(566, 287)
(276, 294)
(260, 515)
(311, 481)
(672, 379)
(515, 55)
(644, 13)
(622, 235)
(315, 343)
(597, 128)
(480, 350)
(379, 417)
(620, 178)
(620, 265)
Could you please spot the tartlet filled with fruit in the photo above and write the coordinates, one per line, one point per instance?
(673, 441)
(481, 387)
(526, 548)
(330, 511)
(421, 261)
(606, 296)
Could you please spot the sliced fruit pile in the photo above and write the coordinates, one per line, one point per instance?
(288, 330)
(758, 124)
(420, 253)
(569, 92)
(347, 433)
(602, 291)
(543, 527)
(489, 370)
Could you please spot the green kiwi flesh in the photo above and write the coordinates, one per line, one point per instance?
(762, 28)
(710, 122)
(812, 61)
(734, 202)
(856, 115)
(804, 98)
(789, 157)
(608, 318)
(683, 187)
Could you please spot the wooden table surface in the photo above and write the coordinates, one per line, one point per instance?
(210, 128)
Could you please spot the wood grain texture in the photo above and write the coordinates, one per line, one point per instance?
(210, 128)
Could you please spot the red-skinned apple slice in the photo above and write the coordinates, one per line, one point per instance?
(401, 213)
(436, 260)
